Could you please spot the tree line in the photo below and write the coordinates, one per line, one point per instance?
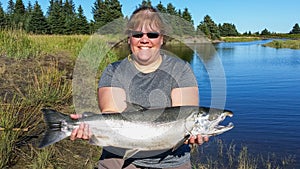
(62, 17)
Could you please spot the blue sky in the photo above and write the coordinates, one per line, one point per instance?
(250, 15)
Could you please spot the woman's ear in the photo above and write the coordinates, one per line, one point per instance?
(128, 40)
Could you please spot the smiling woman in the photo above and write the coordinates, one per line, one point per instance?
(150, 78)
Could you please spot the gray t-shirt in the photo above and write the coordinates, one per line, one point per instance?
(151, 90)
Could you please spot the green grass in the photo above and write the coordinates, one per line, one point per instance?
(240, 39)
(17, 44)
(292, 44)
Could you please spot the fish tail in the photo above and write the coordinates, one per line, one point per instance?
(54, 132)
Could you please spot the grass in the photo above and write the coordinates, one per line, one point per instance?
(16, 119)
(38, 72)
(17, 44)
(220, 155)
(292, 44)
(240, 39)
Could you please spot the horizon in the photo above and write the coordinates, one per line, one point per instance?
(253, 16)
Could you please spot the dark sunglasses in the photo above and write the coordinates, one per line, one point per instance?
(150, 35)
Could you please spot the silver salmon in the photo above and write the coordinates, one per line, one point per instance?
(138, 128)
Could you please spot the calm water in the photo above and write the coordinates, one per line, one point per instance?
(263, 91)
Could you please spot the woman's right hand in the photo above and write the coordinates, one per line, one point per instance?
(82, 132)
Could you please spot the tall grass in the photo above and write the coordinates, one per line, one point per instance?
(17, 44)
(220, 155)
(60, 44)
(49, 87)
(16, 119)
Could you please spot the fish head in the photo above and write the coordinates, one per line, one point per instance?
(207, 121)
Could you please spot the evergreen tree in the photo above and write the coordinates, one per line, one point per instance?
(28, 11)
(37, 23)
(228, 29)
(209, 28)
(29, 8)
(296, 29)
(115, 9)
(70, 17)
(171, 9)
(56, 19)
(265, 32)
(161, 8)
(10, 7)
(179, 13)
(2, 18)
(187, 16)
(146, 3)
(81, 24)
(9, 12)
(19, 17)
(106, 11)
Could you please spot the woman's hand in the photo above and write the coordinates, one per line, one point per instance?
(197, 139)
(82, 132)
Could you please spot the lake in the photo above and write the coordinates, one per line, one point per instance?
(261, 85)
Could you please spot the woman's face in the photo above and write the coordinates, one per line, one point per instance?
(145, 45)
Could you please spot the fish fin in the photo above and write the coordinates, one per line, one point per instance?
(134, 107)
(130, 153)
(53, 133)
(180, 142)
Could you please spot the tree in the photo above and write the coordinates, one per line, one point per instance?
(228, 29)
(265, 32)
(81, 24)
(161, 8)
(37, 23)
(69, 14)
(296, 29)
(19, 14)
(106, 11)
(2, 18)
(171, 9)
(209, 28)
(146, 3)
(56, 19)
(187, 16)
(10, 7)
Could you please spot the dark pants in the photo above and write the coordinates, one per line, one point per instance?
(117, 163)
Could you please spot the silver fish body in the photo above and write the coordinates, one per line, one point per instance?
(138, 128)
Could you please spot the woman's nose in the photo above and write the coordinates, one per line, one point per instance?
(144, 38)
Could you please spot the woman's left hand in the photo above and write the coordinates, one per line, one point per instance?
(197, 139)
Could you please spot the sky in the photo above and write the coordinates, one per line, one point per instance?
(247, 15)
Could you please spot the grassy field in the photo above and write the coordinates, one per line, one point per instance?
(36, 72)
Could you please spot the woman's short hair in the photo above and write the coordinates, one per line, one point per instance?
(146, 16)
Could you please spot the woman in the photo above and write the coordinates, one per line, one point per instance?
(151, 79)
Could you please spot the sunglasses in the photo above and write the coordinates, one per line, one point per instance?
(150, 35)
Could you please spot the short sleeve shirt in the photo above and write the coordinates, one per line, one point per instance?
(151, 90)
